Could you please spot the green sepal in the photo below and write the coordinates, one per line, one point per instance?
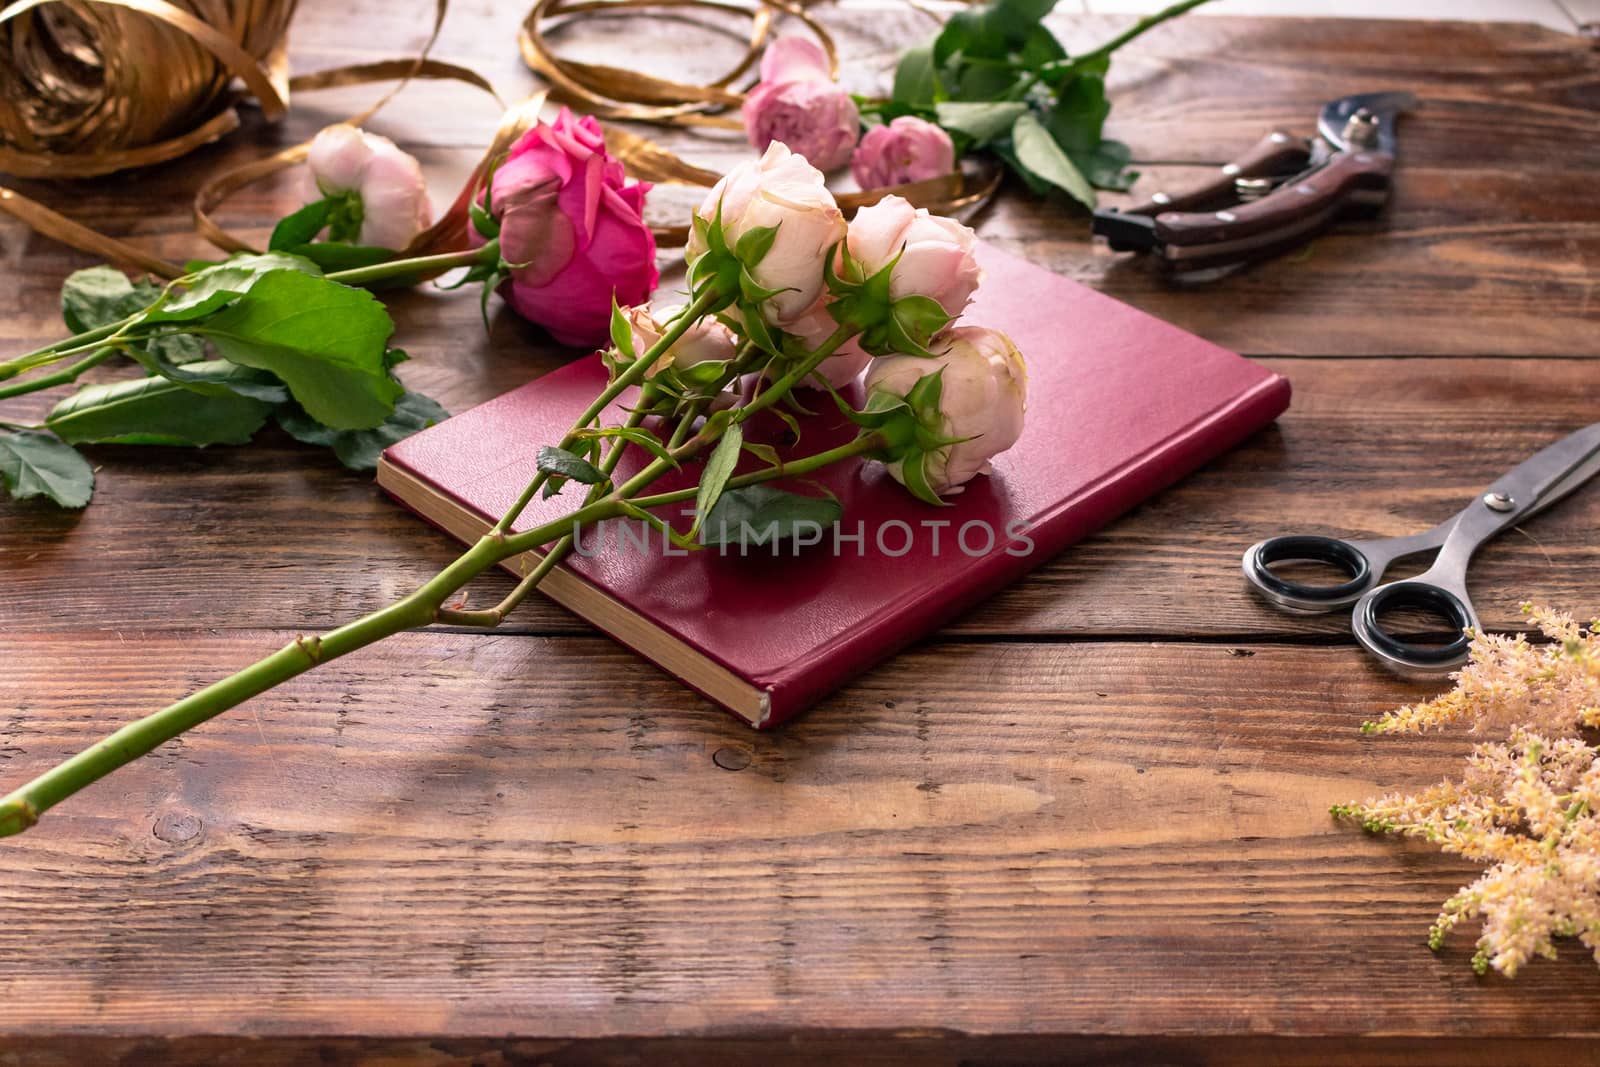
(622, 333)
(300, 227)
(717, 272)
(766, 453)
(483, 220)
(754, 245)
(643, 438)
(913, 470)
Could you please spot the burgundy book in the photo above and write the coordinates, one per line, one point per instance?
(1120, 405)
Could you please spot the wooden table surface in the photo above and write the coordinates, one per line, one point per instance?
(1086, 821)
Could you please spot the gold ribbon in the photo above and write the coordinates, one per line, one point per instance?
(142, 80)
(272, 91)
(625, 95)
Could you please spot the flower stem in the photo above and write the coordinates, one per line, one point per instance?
(60, 349)
(1071, 63)
(22, 808)
(860, 446)
(634, 374)
(60, 377)
(378, 272)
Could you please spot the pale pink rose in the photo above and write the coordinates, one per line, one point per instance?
(573, 227)
(792, 58)
(908, 149)
(780, 189)
(394, 197)
(798, 103)
(983, 396)
(705, 341)
(935, 252)
(847, 361)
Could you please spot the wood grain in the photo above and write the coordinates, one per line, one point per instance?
(1085, 823)
(474, 837)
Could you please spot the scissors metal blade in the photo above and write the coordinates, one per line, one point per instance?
(1385, 107)
(1540, 481)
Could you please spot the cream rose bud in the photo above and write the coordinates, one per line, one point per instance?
(780, 189)
(706, 341)
(388, 183)
(983, 396)
(848, 360)
(935, 252)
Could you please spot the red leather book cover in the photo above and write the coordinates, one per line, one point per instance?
(1120, 405)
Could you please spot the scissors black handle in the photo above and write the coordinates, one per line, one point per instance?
(1309, 548)
(1408, 657)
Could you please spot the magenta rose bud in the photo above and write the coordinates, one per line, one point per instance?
(906, 150)
(572, 227)
(798, 103)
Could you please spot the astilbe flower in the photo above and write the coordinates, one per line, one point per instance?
(1528, 808)
(1553, 688)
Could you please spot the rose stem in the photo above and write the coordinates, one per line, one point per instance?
(22, 808)
(491, 617)
(60, 377)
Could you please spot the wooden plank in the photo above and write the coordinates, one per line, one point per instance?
(278, 535)
(451, 835)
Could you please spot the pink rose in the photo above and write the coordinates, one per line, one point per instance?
(795, 59)
(391, 198)
(935, 252)
(705, 341)
(799, 104)
(573, 225)
(983, 397)
(908, 149)
(847, 361)
(779, 190)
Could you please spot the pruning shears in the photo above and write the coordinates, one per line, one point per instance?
(1276, 195)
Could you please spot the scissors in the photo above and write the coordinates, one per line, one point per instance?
(1441, 590)
(1275, 196)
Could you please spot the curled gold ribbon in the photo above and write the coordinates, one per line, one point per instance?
(95, 86)
(272, 89)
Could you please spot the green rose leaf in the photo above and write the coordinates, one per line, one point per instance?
(212, 377)
(718, 469)
(759, 515)
(1079, 114)
(1107, 166)
(916, 82)
(233, 276)
(155, 411)
(359, 449)
(983, 122)
(1037, 153)
(563, 464)
(326, 341)
(99, 296)
(37, 464)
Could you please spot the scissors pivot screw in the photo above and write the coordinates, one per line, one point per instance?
(1498, 502)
